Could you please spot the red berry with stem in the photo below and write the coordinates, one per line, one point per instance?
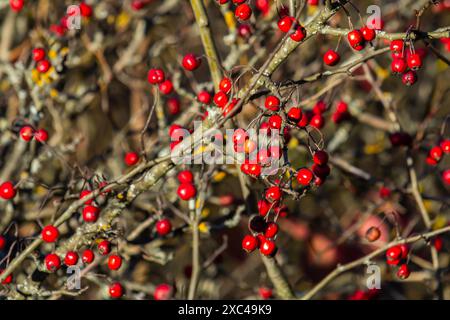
(7, 190)
(173, 105)
(244, 31)
(265, 293)
(320, 157)
(38, 54)
(267, 247)
(190, 62)
(185, 176)
(331, 58)
(394, 253)
(264, 207)
(320, 107)
(43, 66)
(414, 61)
(116, 290)
(8, 279)
(243, 11)
(403, 272)
(317, 121)
(52, 262)
(104, 247)
(220, 99)
(368, 33)
(446, 176)
(114, 262)
(163, 227)
(445, 146)
(85, 10)
(436, 153)
(90, 213)
(41, 135)
(225, 85)
(398, 65)
(322, 171)
(355, 39)
(396, 45)
(341, 107)
(26, 133)
(409, 78)
(285, 23)
(272, 103)
(131, 158)
(166, 87)
(87, 256)
(16, 5)
(186, 191)
(50, 234)
(249, 243)
(299, 34)
(271, 230)
(304, 176)
(273, 194)
(163, 292)
(204, 97)
(71, 258)
(294, 114)
(275, 121)
(155, 76)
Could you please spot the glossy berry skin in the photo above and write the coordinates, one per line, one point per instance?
(249, 243)
(38, 54)
(436, 153)
(320, 157)
(446, 176)
(273, 194)
(398, 66)
(85, 10)
(403, 272)
(131, 158)
(267, 247)
(163, 291)
(50, 234)
(243, 11)
(244, 31)
(190, 62)
(409, 78)
(438, 243)
(7, 190)
(104, 247)
(71, 258)
(331, 58)
(8, 279)
(173, 106)
(43, 66)
(220, 99)
(163, 227)
(16, 5)
(166, 87)
(264, 207)
(26, 133)
(294, 114)
(87, 256)
(355, 39)
(90, 214)
(299, 34)
(321, 171)
(185, 176)
(414, 61)
(155, 76)
(396, 45)
(271, 230)
(114, 262)
(285, 23)
(304, 176)
(116, 290)
(83, 194)
(272, 103)
(445, 146)
(225, 85)
(394, 253)
(2, 243)
(317, 121)
(41, 135)
(52, 262)
(368, 33)
(204, 97)
(186, 191)
(265, 293)
(275, 121)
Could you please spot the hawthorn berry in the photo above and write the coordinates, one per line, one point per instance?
(26, 133)
(90, 213)
(85, 10)
(244, 31)
(16, 5)
(414, 61)
(114, 262)
(436, 153)
(445, 146)
(273, 194)
(355, 39)
(137, 4)
(204, 97)
(155, 76)
(294, 114)
(320, 107)
(271, 230)
(317, 121)
(43, 66)
(299, 34)
(166, 87)
(331, 58)
(50, 234)
(446, 176)
(267, 247)
(8, 279)
(116, 290)
(272, 103)
(396, 45)
(163, 227)
(243, 11)
(7, 190)
(264, 207)
(409, 78)
(285, 23)
(131, 158)
(438, 243)
(71, 258)
(320, 157)
(368, 33)
(185, 176)
(163, 292)
(321, 171)
(220, 99)
(394, 253)
(249, 243)
(87, 256)
(403, 272)
(2, 242)
(38, 54)
(265, 293)
(275, 121)
(41, 135)
(186, 191)
(304, 176)
(190, 62)
(398, 65)
(373, 234)
(225, 85)
(52, 262)
(85, 193)
(104, 247)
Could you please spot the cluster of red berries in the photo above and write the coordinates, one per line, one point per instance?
(186, 190)
(341, 112)
(63, 26)
(27, 133)
(436, 154)
(90, 212)
(39, 56)
(400, 63)
(222, 97)
(290, 24)
(395, 255)
(7, 190)
(158, 77)
(357, 38)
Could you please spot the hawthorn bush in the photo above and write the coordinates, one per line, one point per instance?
(97, 97)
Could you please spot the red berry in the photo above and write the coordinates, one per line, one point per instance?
(190, 62)
(394, 253)
(26, 133)
(264, 207)
(414, 61)
(275, 121)
(321, 171)
(320, 107)
(320, 157)
(38, 54)
(243, 11)
(239, 136)
(43, 66)
(294, 114)
(299, 34)
(85, 10)
(384, 192)
(16, 5)
(273, 194)
(397, 45)
(249, 243)
(204, 97)
(368, 33)
(409, 78)
(285, 23)
(341, 107)
(244, 31)
(220, 99)
(185, 176)
(166, 87)
(155, 76)
(87, 256)
(405, 250)
(83, 194)
(304, 176)
(173, 105)
(163, 292)
(271, 230)
(71, 258)
(41, 135)
(438, 243)
(225, 85)
(403, 272)
(272, 103)
(7, 190)
(265, 293)
(398, 65)
(355, 39)
(445, 146)
(116, 290)
(446, 176)
(50, 233)
(331, 58)
(104, 247)
(138, 4)
(131, 158)
(267, 247)
(2, 243)
(8, 279)
(163, 227)
(186, 191)
(114, 262)
(90, 213)
(436, 153)
(317, 121)
(52, 262)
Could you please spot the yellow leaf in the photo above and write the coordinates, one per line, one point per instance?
(203, 227)
(219, 176)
